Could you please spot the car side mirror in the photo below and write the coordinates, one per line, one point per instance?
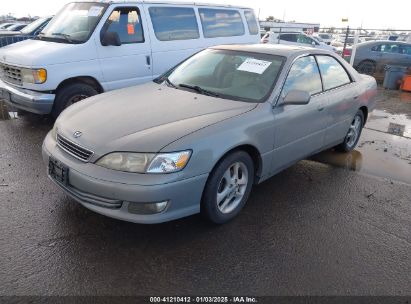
(297, 97)
(110, 38)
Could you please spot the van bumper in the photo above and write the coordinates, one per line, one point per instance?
(30, 101)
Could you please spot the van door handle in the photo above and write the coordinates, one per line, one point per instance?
(148, 60)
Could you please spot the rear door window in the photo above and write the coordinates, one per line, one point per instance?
(221, 22)
(305, 76)
(126, 22)
(174, 23)
(252, 22)
(332, 72)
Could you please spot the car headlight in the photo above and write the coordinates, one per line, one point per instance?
(37, 76)
(145, 162)
(169, 162)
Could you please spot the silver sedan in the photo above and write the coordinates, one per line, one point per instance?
(197, 138)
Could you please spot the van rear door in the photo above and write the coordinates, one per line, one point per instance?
(123, 47)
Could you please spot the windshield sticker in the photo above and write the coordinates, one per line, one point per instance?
(130, 29)
(254, 66)
(94, 11)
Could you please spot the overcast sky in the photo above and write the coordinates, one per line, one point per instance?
(368, 13)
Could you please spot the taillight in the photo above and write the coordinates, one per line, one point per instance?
(347, 53)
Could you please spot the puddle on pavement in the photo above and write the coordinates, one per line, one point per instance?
(377, 154)
(396, 124)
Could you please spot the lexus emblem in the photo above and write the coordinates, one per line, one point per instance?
(77, 134)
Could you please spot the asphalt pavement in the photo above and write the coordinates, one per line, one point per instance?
(317, 228)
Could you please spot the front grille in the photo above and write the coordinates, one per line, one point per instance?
(11, 74)
(73, 149)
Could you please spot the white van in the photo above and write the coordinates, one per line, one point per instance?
(93, 47)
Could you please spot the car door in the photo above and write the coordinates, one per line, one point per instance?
(299, 129)
(307, 41)
(405, 54)
(129, 63)
(342, 93)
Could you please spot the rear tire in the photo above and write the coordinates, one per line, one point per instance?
(228, 188)
(353, 134)
(71, 94)
(367, 67)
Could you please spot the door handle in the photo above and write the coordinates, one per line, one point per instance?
(320, 107)
(148, 60)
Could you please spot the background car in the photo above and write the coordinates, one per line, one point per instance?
(17, 27)
(325, 37)
(372, 57)
(4, 26)
(294, 38)
(29, 31)
(340, 40)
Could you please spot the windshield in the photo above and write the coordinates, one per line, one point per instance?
(33, 26)
(74, 23)
(228, 74)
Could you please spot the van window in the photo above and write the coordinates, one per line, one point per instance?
(252, 23)
(333, 74)
(126, 22)
(174, 23)
(221, 22)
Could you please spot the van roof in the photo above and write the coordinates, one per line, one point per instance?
(167, 2)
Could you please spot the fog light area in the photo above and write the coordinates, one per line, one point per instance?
(147, 208)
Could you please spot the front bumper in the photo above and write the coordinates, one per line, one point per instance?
(31, 101)
(113, 198)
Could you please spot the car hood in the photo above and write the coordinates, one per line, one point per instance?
(38, 53)
(144, 118)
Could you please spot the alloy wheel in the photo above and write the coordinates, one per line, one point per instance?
(232, 187)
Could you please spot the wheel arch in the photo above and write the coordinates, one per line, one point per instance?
(253, 152)
(91, 81)
(364, 110)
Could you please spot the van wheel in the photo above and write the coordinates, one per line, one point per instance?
(71, 94)
(228, 187)
(367, 67)
(353, 134)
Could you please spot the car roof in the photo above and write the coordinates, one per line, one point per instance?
(166, 2)
(271, 49)
(373, 42)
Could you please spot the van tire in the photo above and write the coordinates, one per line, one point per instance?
(70, 94)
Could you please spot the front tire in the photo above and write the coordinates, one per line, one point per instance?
(353, 134)
(71, 94)
(228, 188)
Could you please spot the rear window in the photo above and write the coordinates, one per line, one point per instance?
(333, 74)
(252, 22)
(174, 23)
(221, 22)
